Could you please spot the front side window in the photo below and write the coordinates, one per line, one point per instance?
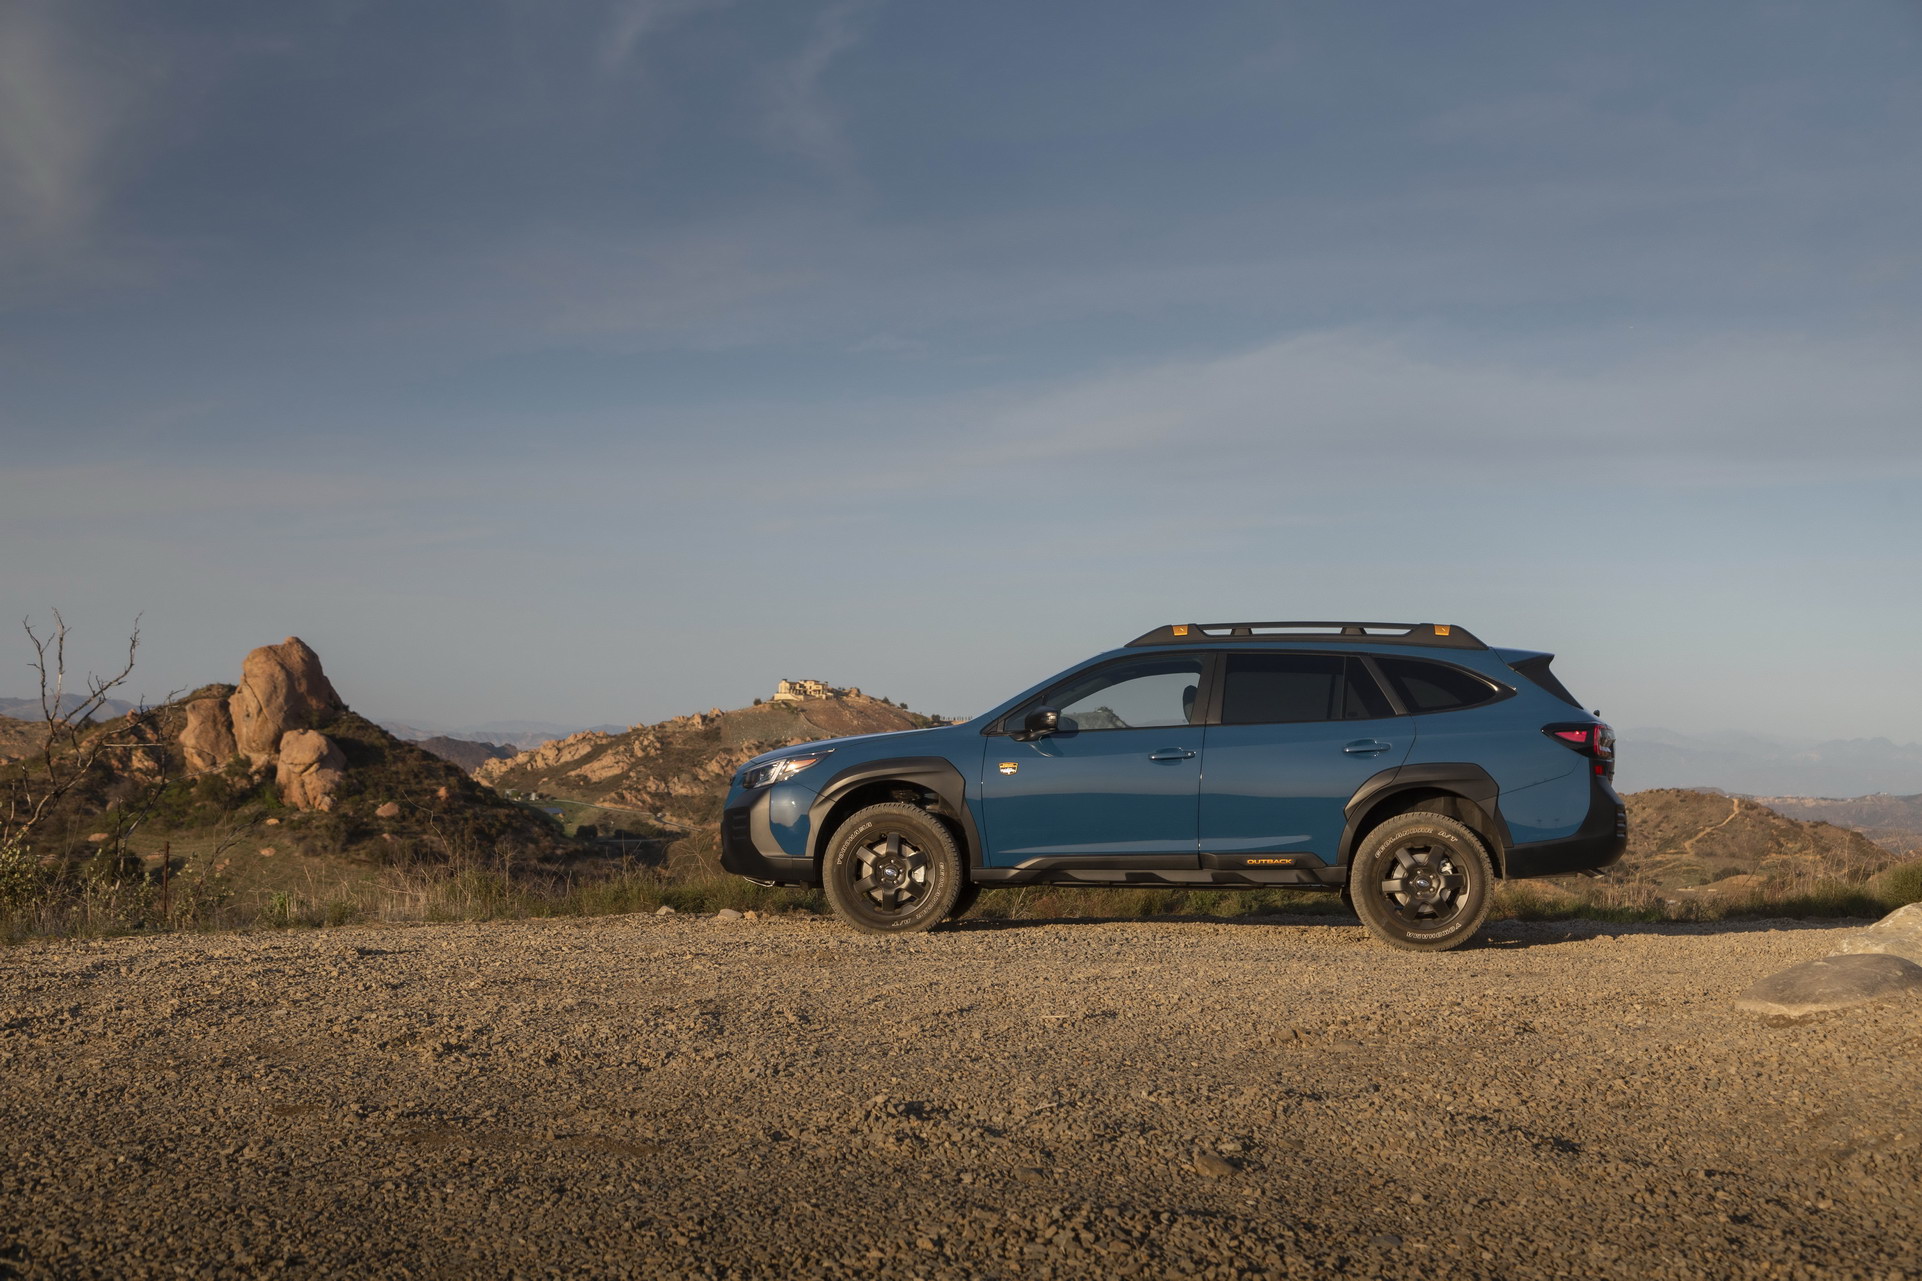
(1268, 689)
(1143, 694)
(1434, 687)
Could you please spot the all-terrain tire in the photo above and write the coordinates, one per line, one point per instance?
(1422, 882)
(892, 869)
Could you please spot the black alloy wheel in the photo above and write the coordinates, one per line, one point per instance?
(1422, 882)
(892, 869)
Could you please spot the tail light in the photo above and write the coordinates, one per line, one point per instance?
(1592, 739)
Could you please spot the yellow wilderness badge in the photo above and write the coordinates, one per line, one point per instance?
(1010, 767)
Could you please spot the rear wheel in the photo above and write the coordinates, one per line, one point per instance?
(892, 869)
(1422, 882)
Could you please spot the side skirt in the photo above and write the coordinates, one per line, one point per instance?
(1164, 872)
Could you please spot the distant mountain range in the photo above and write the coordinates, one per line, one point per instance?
(521, 734)
(466, 753)
(1757, 765)
(28, 709)
(1893, 822)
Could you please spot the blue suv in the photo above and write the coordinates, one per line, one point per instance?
(1406, 766)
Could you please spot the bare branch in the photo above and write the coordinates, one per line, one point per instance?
(67, 755)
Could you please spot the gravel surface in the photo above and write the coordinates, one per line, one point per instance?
(670, 1096)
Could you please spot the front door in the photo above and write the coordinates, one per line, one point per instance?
(1120, 778)
(1299, 733)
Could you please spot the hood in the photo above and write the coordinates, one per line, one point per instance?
(829, 744)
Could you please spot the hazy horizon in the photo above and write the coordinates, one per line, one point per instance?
(614, 360)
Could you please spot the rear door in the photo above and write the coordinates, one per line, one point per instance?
(1298, 734)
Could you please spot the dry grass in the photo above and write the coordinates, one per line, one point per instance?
(93, 905)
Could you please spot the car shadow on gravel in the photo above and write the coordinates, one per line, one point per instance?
(1506, 934)
(1580, 929)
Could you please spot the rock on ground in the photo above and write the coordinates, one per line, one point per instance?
(1831, 983)
(1897, 934)
(652, 1097)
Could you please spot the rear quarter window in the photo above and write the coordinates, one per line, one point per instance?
(1425, 687)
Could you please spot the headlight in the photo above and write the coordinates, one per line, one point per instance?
(772, 772)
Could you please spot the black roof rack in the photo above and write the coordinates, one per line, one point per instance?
(1444, 635)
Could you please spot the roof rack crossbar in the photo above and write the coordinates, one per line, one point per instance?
(1444, 635)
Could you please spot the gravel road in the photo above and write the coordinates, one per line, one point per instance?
(687, 1097)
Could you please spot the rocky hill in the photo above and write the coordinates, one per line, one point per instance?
(277, 764)
(676, 772)
(1682, 840)
(18, 738)
(1893, 822)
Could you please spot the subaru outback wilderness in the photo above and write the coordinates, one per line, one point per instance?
(1405, 766)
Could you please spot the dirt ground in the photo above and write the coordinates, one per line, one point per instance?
(687, 1097)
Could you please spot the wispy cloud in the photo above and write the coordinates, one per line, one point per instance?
(59, 113)
(1353, 407)
(631, 22)
(801, 118)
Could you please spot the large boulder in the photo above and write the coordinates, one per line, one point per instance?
(281, 688)
(208, 739)
(1897, 934)
(310, 770)
(1832, 983)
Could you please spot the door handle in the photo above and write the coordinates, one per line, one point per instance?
(1170, 754)
(1367, 747)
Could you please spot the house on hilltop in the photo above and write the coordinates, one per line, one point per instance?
(797, 691)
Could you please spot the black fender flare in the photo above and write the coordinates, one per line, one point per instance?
(935, 773)
(1464, 778)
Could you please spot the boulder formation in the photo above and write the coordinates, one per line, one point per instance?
(310, 769)
(281, 688)
(270, 718)
(207, 741)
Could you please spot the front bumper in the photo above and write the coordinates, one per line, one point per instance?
(748, 846)
(1600, 840)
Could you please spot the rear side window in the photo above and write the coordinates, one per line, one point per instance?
(1434, 687)
(1267, 689)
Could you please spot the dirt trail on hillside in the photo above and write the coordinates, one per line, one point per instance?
(683, 1097)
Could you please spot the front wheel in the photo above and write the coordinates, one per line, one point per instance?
(1422, 882)
(892, 869)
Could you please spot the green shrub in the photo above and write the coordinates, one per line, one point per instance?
(1898, 886)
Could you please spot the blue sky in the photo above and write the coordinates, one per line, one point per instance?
(603, 361)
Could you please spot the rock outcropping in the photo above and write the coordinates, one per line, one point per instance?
(271, 719)
(310, 770)
(281, 688)
(207, 741)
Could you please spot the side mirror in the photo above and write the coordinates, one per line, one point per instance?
(1040, 723)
